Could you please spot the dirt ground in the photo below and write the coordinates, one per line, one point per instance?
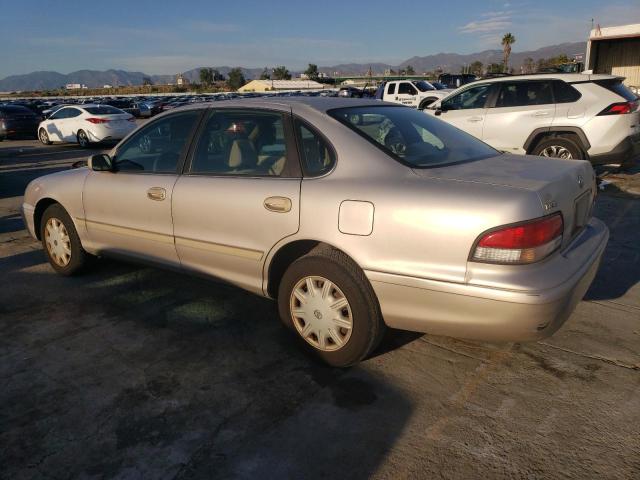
(133, 372)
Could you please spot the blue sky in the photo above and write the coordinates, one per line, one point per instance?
(170, 37)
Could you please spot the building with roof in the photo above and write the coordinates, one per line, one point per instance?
(276, 85)
(615, 51)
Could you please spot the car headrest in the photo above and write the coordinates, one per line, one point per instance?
(242, 154)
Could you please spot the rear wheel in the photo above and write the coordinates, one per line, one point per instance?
(61, 242)
(325, 298)
(44, 137)
(83, 139)
(558, 147)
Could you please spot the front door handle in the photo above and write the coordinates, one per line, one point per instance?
(541, 114)
(157, 193)
(474, 119)
(277, 204)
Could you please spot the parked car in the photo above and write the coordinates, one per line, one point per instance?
(573, 116)
(456, 80)
(352, 214)
(86, 124)
(412, 93)
(17, 121)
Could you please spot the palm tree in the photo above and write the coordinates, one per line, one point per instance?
(507, 41)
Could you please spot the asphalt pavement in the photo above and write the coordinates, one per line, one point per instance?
(130, 371)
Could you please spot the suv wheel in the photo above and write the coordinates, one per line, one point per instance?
(325, 298)
(558, 147)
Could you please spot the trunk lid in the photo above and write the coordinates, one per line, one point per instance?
(566, 186)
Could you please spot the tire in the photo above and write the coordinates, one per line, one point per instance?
(61, 242)
(83, 139)
(44, 137)
(426, 102)
(349, 288)
(558, 147)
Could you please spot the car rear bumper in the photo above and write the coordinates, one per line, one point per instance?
(627, 153)
(491, 314)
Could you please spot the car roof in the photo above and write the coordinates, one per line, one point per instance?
(567, 77)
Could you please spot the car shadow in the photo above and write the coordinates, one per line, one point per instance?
(11, 223)
(620, 266)
(165, 374)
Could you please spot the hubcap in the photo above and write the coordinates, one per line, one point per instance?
(58, 242)
(321, 313)
(83, 139)
(43, 136)
(556, 151)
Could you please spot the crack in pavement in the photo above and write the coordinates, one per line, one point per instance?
(610, 361)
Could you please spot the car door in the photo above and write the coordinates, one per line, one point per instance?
(128, 211)
(407, 94)
(467, 109)
(239, 196)
(55, 125)
(69, 125)
(520, 107)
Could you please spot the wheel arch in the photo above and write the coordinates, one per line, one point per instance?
(539, 133)
(425, 102)
(38, 212)
(285, 255)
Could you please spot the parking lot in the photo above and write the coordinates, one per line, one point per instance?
(133, 372)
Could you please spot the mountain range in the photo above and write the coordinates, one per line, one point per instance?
(450, 62)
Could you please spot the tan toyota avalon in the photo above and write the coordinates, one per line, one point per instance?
(352, 214)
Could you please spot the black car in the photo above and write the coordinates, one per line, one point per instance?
(18, 121)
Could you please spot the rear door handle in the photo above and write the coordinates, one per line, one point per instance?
(474, 119)
(277, 204)
(157, 193)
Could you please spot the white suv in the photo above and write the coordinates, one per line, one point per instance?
(591, 117)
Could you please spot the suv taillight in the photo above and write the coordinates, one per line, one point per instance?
(526, 242)
(620, 108)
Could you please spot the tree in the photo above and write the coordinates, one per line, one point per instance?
(476, 68)
(265, 74)
(206, 76)
(409, 70)
(495, 68)
(217, 76)
(311, 72)
(236, 78)
(146, 81)
(528, 66)
(507, 40)
(281, 73)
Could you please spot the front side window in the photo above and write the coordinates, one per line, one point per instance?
(521, 94)
(158, 147)
(241, 142)
(317, 156)
(406, 88)
(410, 136)
(474, 97)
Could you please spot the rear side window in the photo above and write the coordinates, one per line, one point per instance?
(520, 94)
(392, 89)
(406, 88)
(317, 156)
(616, 86)
(564, 93)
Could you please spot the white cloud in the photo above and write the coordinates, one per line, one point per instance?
(491, 24)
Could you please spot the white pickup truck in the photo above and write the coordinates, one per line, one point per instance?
(413, 93)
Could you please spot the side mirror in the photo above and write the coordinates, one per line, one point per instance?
(438, 111)
(100, 162)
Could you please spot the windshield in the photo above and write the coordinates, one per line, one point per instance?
(439, 86)
(410, 136)
(423, 86)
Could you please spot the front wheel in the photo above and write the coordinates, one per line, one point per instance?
(83, 139)
(61, 242)
(325, 298)
(44, 137)
(426, 102)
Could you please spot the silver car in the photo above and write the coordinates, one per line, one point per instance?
(352, 214)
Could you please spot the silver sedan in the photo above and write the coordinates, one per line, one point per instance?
(352, 214)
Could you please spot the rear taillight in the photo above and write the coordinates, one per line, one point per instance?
(96, 120)
(620, 108)
(521, 243)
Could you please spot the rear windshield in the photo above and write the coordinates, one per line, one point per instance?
(411, 137)
(104, 110)
(616, 86)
